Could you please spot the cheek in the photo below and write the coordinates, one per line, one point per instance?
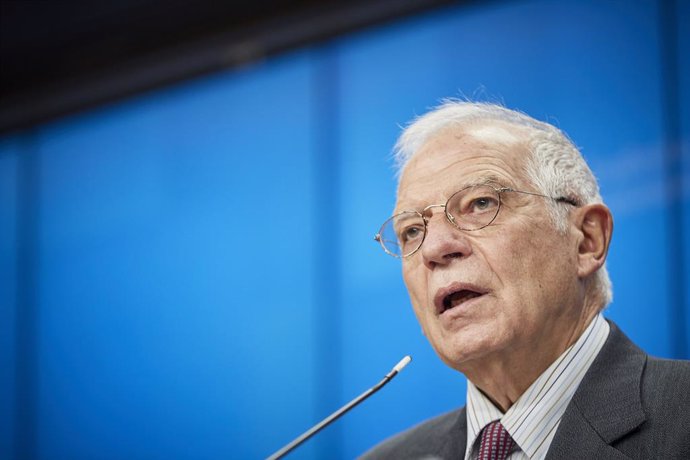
(416, 284)
(537, 269)
(513, 263)
(412, 276)
(507, 259)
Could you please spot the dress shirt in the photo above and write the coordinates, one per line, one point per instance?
(533, 419)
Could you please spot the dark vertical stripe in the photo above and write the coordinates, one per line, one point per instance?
(674, 177)
(327, 260)
(26, 347)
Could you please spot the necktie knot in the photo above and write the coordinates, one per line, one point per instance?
(496, 443)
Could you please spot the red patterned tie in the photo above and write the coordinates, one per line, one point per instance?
(496, 442)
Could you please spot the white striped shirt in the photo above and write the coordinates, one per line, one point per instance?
(533, 419)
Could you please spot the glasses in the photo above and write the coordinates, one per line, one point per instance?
(469, 209)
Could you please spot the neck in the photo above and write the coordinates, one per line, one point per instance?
(503, 378)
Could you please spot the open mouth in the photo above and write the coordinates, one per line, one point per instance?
(451, 298)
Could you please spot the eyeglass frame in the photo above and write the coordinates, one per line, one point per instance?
(451, 219)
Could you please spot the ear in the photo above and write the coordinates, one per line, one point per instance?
(595, 223)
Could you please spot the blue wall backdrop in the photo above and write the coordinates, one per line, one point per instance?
(191, 273)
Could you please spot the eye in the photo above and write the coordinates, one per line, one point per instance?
(473, 201)
(411, 233)
(473, 207)
(482, 204)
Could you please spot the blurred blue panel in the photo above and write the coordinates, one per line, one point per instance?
(10, 151)
(683, 56)
(175, 271)
(576, 64)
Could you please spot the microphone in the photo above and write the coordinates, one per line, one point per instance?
(340, 412)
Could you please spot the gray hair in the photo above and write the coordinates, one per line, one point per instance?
(554, 165)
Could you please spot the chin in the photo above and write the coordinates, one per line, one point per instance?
(458, 353)
(455, 357)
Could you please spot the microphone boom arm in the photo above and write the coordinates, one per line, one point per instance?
(340, 412)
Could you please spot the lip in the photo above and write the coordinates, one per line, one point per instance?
(451, 288)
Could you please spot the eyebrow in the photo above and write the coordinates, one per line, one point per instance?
(485, 179)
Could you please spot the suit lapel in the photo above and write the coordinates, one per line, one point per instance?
(455, 440)
(606, 405)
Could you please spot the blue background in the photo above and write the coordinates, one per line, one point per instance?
(190, 273)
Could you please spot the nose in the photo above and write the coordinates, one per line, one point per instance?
(443, 242)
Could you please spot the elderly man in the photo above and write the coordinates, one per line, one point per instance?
(503, 239)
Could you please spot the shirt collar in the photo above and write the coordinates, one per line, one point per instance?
(533, 419)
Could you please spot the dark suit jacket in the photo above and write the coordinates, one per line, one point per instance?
(628, 405)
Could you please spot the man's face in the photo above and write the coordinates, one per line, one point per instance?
(508, 290)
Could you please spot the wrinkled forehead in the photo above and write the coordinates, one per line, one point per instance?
(473, 145)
